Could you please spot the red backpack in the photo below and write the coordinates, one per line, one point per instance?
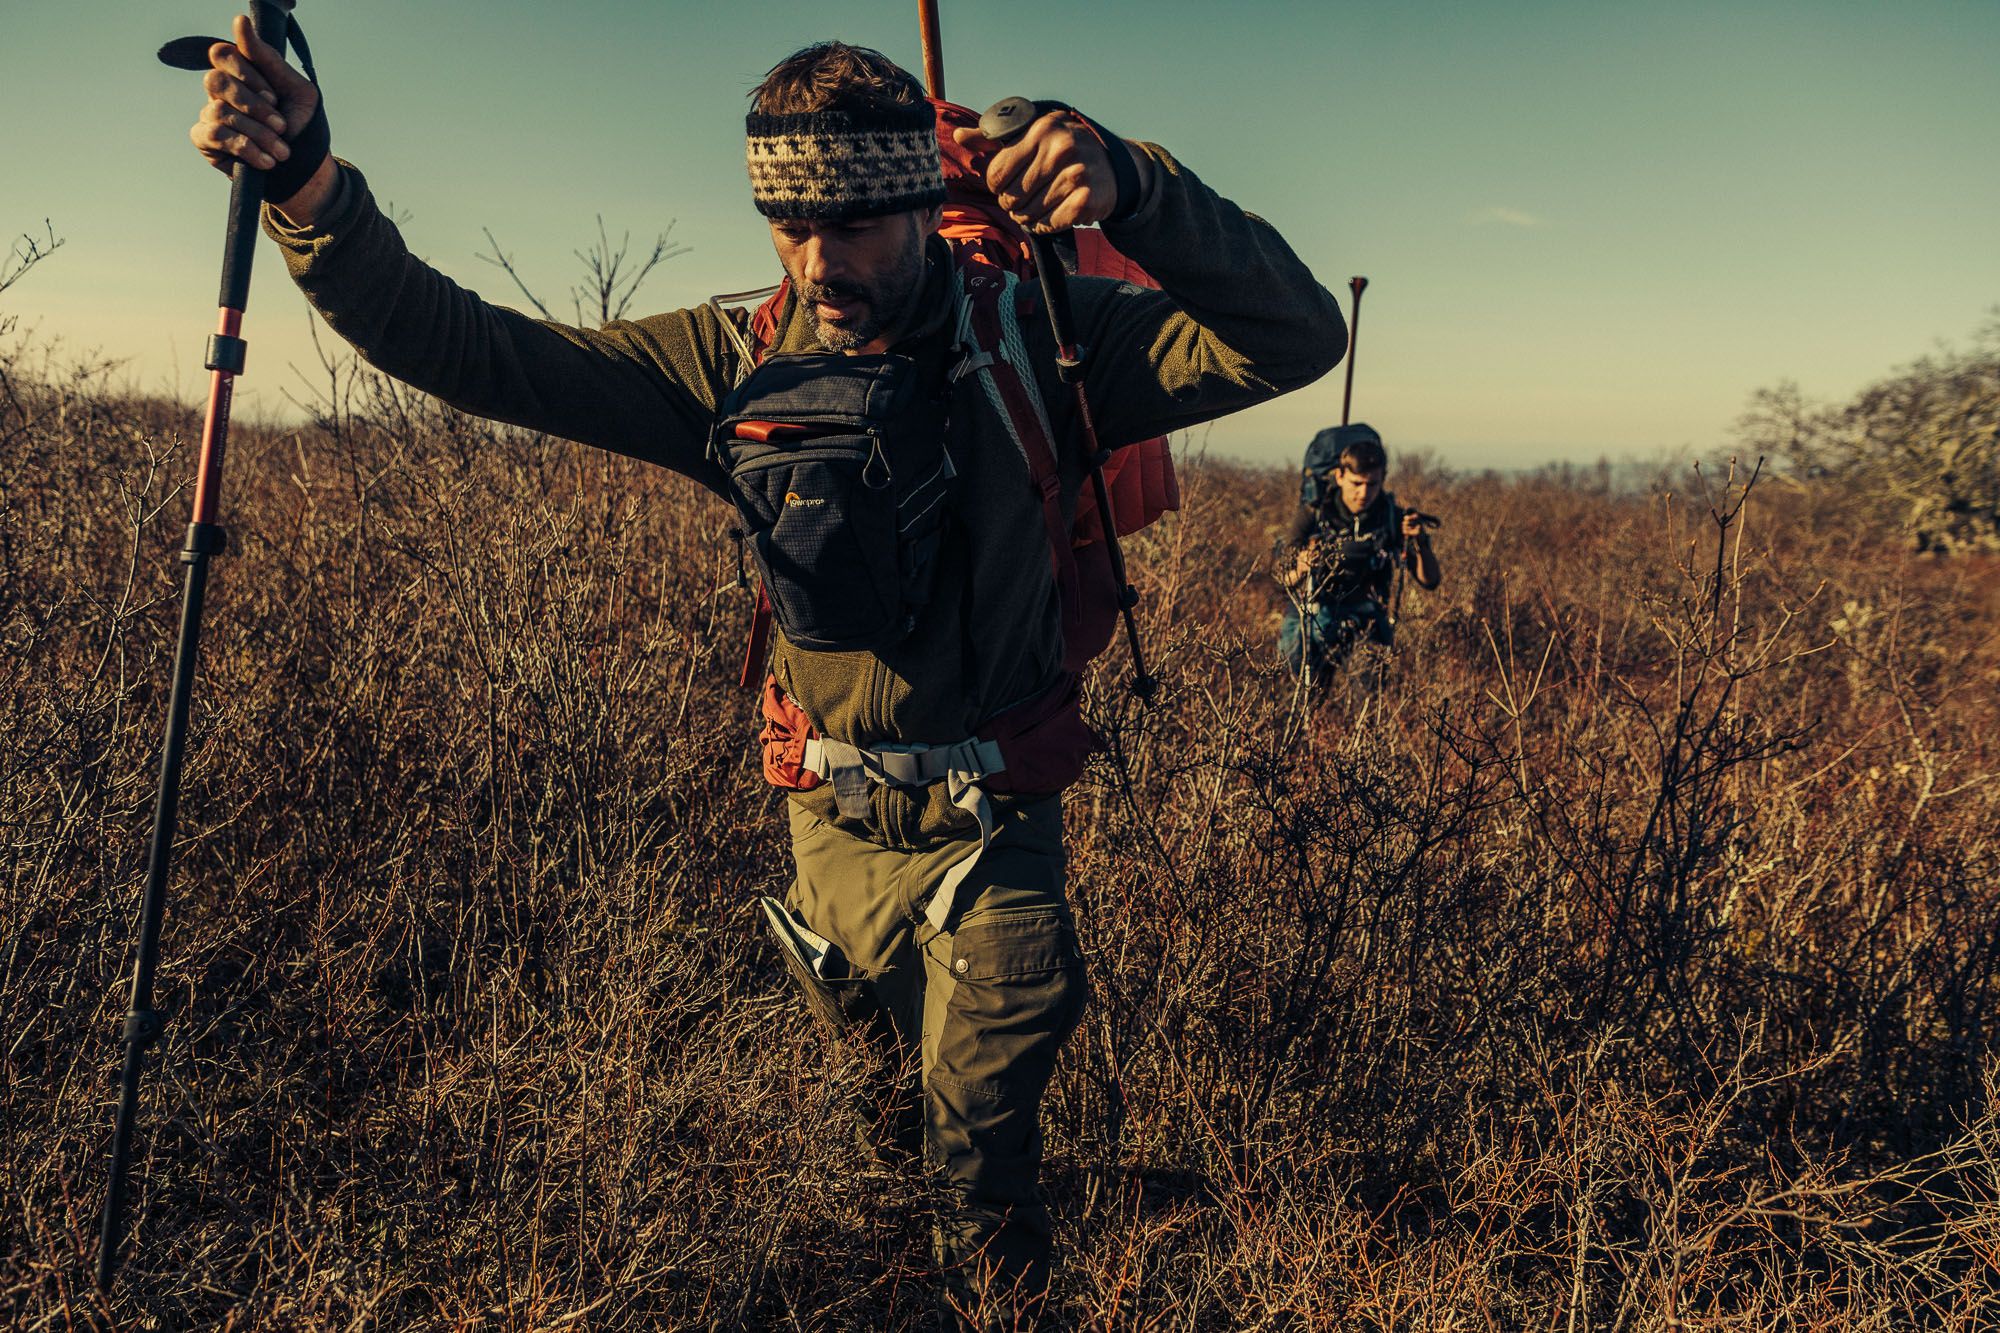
(1140, 477)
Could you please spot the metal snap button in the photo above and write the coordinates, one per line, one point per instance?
(963, 964)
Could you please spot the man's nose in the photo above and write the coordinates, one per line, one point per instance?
(819, 263)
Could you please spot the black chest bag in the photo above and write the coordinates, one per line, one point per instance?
(839, 469)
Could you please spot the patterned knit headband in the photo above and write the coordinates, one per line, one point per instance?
(830, 165)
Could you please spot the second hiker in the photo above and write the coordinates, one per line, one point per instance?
(1338, 560)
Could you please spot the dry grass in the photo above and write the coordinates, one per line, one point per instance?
(1626, 962)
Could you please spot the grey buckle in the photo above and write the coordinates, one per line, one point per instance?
(852, 769)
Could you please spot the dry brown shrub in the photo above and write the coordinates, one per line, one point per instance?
(1625, 959)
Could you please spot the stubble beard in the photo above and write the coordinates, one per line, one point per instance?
(887, 302)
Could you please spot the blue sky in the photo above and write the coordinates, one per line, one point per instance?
(1588, 228)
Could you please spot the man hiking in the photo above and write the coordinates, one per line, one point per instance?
(869, 434)
(1338, 559)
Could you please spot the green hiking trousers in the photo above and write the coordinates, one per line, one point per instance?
(984, 1004)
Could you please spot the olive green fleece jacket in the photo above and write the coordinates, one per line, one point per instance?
(1239, 320)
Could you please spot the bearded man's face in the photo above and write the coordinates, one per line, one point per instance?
(861, 278)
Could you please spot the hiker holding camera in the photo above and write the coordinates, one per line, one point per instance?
(1341, 555)
(876, 433)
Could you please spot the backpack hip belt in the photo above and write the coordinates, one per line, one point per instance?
(1033, 749)
(961, 765)
(916, 765)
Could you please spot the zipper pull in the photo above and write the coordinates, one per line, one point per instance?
(877, 464)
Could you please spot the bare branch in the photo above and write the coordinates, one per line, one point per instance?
(611, 276)
(505, 262)
(609, 286)
(27, 252)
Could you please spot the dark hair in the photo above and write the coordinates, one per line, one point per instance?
(833, 76)
(1365, 456)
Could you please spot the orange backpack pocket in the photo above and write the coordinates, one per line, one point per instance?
(783, 740)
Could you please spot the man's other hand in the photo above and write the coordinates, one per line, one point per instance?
(1057, 175)
(255, 102)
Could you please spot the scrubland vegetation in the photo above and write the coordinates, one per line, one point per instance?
(1627, 960)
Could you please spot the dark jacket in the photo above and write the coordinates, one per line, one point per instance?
(1357, 552)
(1240, 319)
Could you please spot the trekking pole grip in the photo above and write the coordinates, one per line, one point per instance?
(246, 191)
(1004, 123)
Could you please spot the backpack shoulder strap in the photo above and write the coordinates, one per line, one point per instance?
(753, 341)
(750, 354)
(762, 326)
(992, 303)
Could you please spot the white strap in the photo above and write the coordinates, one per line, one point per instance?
(969, 796)
(903, 765)
(1013, 349)
(735, 334)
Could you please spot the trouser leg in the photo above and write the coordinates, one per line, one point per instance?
(868, 987)
(987, 1003)
(1376, 618)
(1317, 641)
(1004, 988)
(1292, 645)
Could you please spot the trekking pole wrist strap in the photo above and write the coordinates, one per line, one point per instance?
(310, 147)
(313, 144)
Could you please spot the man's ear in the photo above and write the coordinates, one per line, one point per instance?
(930, 219)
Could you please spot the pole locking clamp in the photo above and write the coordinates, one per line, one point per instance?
(203, 541)
(226, 353)
(143, 1027)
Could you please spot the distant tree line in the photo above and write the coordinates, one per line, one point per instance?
(1926, 439)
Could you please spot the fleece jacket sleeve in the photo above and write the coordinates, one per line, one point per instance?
(646, 388)
(1239, 318)
(1305, 526)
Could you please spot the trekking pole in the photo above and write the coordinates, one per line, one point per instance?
(1004, 122)
(927, 23)
(1357, 286)
(205, 538)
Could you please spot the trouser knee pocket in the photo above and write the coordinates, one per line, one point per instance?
(1018, 992)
